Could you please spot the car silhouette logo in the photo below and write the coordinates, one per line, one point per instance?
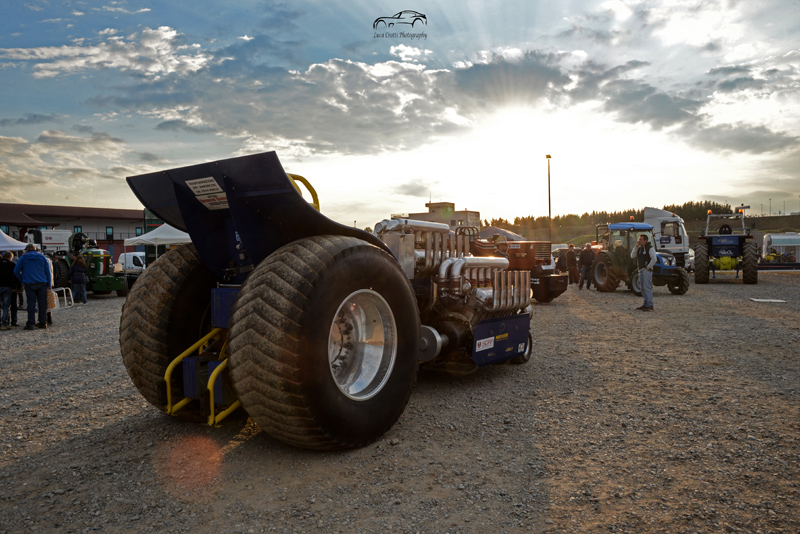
(409, 18)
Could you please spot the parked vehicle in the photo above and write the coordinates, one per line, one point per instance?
(670, 234)
(613, 264)
(316, 329)
(726, 247)
(49, 241)
(132, 262)
(101, 278)
(781, 247)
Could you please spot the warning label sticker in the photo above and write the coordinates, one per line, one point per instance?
(484, 344)
(216, 201)
(204, 186)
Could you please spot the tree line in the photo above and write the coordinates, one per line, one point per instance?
(687, 211)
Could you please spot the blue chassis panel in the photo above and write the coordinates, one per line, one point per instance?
(500, 339)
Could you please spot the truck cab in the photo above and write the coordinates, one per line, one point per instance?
(670, 234)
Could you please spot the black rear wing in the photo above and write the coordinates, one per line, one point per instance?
(237, 211)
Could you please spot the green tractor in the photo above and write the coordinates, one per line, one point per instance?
(101, 279)
(613, 264)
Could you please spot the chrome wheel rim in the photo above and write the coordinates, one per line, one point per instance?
(362, 345)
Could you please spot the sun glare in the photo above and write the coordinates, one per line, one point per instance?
(499, 168)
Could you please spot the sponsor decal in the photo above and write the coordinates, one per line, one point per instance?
(484, 344)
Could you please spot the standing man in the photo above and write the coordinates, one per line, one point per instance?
(8, 290)
(572, 265)
(585, 261)
(502, 247)
(645, 255)
(33, 270)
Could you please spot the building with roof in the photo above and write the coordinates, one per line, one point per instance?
(445, 212)
(108, 226)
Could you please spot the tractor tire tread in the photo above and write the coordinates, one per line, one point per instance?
(682, 285)
(750, 263)
(265, 340)
(701, 263)
(147, 322)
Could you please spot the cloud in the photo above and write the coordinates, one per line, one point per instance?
(741, 138)
(31, 118)
(151, 53)
(638, 102)
(62, 165)
(408, 53)
(151, 158)
(114, 9)
(414, 188)
(183, 125)
(496, 80)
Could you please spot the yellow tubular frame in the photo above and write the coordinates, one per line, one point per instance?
(294, 178)
(212, 420)
(172, 410)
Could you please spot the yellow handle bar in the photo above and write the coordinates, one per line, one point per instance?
(297, 178)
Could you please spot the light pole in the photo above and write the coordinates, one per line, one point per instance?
(549, 209)
(770, 207)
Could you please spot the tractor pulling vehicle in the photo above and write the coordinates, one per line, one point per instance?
(728, 247)
(316, 329)
(101, 279)
(613, 263)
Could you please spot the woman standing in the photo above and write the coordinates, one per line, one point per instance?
(77, 276)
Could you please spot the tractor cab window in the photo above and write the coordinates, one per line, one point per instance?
(618, 239)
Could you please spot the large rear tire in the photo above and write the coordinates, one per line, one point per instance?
(61, 272)
(679, 285)
(163, 316)
(701, 263)
(750, 263)
(324, 343)
(604, 278)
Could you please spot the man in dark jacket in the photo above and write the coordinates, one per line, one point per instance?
(9, 285)
(33, 270)
(585, 261)
(572, 265)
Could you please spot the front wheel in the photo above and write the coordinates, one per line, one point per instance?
(324, 343)
(679, 284)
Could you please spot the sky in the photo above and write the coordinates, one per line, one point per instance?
(638, 103)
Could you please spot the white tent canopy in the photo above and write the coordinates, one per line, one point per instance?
(9, 243)
(163, 235)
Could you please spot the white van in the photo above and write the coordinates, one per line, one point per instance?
(131, 262)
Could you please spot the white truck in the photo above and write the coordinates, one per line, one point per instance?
(49, 240)
(670, 235)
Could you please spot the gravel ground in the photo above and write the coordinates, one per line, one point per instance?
(682, 420)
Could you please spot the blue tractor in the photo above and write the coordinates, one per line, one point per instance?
(315, 329)
(726, 247)
(613, 263)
